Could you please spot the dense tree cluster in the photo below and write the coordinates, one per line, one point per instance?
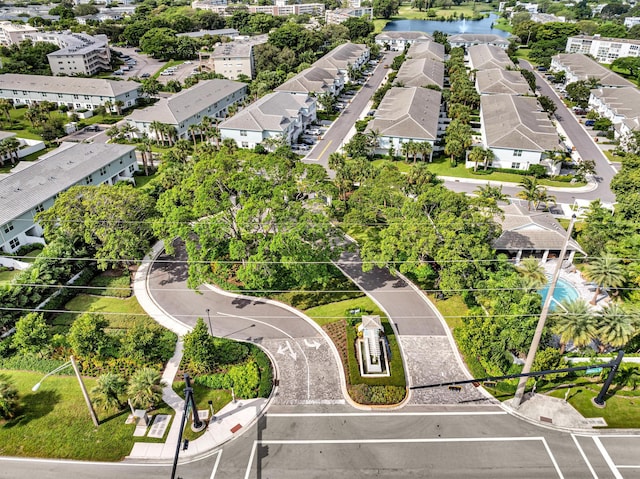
(27, 57)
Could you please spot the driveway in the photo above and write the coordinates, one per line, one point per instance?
(145, 64)
(307, 370)
(428, 350)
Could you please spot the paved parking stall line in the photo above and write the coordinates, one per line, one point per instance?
(607, 458)
(394, 414)
(584, 456)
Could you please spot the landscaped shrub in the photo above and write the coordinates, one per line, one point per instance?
(64, 295)
(228, 351)
(266, 373)
(246, 378)
(379, 395)
(214, 381)
(111, 284)
(31, 363)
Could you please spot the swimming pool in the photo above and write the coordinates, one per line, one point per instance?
(564, 291)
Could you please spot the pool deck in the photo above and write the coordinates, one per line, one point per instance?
(574, 277)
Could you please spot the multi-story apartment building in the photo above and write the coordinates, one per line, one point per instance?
(209, 98)
(578, 66)
(12, 33)
(604, 50)
(34, 188)
(340, 15)
(79, 53)
(280, 9)
(75, 93)
(236, 58)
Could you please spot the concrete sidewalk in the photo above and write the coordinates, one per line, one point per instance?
(231, 419)
(591, 186)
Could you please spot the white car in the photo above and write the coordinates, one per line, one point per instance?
(312, 131)
(188, 62)
(166, 73)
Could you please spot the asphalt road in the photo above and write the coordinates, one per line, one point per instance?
(307, 370)
(304, 441)
(584, 144)
(333, 138)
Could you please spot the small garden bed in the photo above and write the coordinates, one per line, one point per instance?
(339, 320)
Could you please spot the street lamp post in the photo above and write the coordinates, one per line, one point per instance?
(209, 318)
(85, 394)
(535, 342)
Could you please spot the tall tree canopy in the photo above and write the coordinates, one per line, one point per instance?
(113, 221)
(255, 218)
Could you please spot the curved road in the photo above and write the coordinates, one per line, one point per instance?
(307, 369)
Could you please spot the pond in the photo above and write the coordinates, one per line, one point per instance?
(452, 28)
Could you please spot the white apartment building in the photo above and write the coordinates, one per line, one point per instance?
(340, 15)
(578, 66)
(75, 93)
(236, 58)
(210, 98)
(631, 21)
(34, 188)
(314, 9)
(604, 50)
(12, 33)
(397, 41)
(344, 56)
(620, 105)
(276, 115)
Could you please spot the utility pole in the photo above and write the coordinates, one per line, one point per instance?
(85, 394)
(535, 342)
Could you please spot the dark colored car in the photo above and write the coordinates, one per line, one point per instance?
(589, 123)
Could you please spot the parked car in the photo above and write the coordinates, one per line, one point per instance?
(302, 147)
(312, 131)
(167, 73)
(145, 75)
(125, 68)
(542, 69)
(137, 50)
(307, 141)
(589, 122)
(92, 128)
(118, 72)
(131, 62)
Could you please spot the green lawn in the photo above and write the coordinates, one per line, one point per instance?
(403, 166)
(452, 309)
(203, 395)
(55, 422)
(142, 181)
(502, 24)
(7, 276)
(330, 313)
(379, 24)
(122, 311)
(622, 410)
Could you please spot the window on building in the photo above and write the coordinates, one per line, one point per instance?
(131, 168)
(517, 152)
(8, 227)
(39, 208)
(89, 179)
(243, 132)
(245, 144)
(103, 171)
(515, 166)
(14, 243)
(75, 97)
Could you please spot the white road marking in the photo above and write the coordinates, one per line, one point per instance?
(629, 467)
(584, 456)
(306, 360)
(215, 466)
(284, 349)
(607, 458)
(397, 441)
(553, 459)
(379, 414)
(253, 453)
(313, 344)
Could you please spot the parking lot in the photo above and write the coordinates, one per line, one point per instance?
(144, 63)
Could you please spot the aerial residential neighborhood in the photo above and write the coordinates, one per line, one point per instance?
(391, 239)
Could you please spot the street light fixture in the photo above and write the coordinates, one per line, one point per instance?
(85, 394)
(209, 318)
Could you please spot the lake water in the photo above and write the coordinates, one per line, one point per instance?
(452, 28)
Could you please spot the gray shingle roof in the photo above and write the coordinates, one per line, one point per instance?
(622, 101)
(397, 35)
(496, 81)
(238, 48)
(484, 57)
(477, 38)
(313, 79)
(27, 188)
(530, 230)
(408, 113)
(421, 72)
(68, 85)
(183, 105)
(585, 68)
(517, 122)
(431, 50)
(342, 56)
(272, 112)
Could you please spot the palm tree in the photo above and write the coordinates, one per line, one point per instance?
(425, 149)
(5, 107)
(148, 144)
(533, 272)
(171, 132)
(145, 388)
(617, 325)
(12, 145)
(374, 138)
(118, 104)
(544, 197)
(531, 190)
(574, 321)
(405, 148)
(108, 390)
(192, 130)
(127, 129)
(8, 398)
(492, 192)
(142, 148)
(336, 161)
(230, 144)
(157, 128)
(108, 105)
(607, 272)
(113, 133)
(476, 155)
